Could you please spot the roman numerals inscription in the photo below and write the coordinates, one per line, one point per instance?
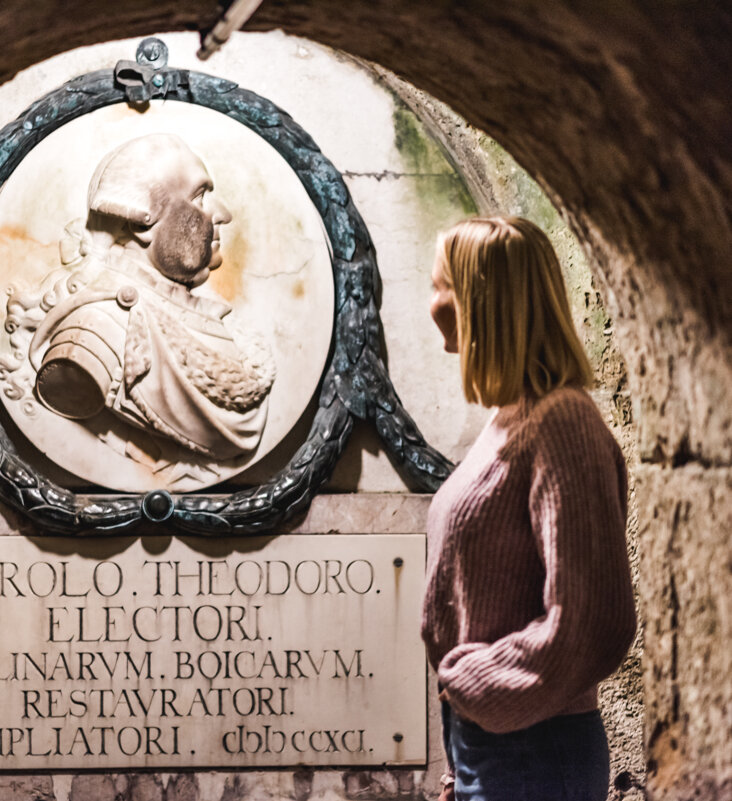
(159, 652)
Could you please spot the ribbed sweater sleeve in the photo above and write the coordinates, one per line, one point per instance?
(577, 511)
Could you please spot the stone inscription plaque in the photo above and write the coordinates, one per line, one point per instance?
(297, 649)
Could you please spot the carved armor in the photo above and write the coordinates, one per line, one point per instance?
(157, 356)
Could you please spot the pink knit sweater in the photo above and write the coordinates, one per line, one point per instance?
(529, 601)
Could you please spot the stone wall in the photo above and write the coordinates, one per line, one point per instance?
(687, 507)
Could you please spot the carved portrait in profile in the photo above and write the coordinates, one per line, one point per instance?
(128, 341)
(124, 331)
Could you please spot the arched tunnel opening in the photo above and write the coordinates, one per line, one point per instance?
(621, 116)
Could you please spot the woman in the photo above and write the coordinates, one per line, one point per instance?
(529, 601)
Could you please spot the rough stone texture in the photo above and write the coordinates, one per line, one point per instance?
(26, 788)
(144, 787)
(93, 787)
(687, 574)
(183, 788)
(621, 111)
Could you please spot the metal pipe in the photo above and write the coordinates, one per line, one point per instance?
(232, 19)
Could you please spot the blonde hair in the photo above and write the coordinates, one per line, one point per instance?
(515, 330)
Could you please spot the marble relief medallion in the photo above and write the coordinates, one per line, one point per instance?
(169, 297)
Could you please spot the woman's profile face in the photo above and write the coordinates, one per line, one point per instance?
(443, 307)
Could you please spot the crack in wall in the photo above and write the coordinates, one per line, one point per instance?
(279, 273)
(393, 175)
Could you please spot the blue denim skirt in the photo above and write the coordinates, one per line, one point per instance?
(560, 759)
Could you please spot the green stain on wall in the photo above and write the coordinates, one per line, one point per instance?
(421, 153)
(444, 189)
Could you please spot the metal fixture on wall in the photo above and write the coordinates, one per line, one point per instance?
(230, 20)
